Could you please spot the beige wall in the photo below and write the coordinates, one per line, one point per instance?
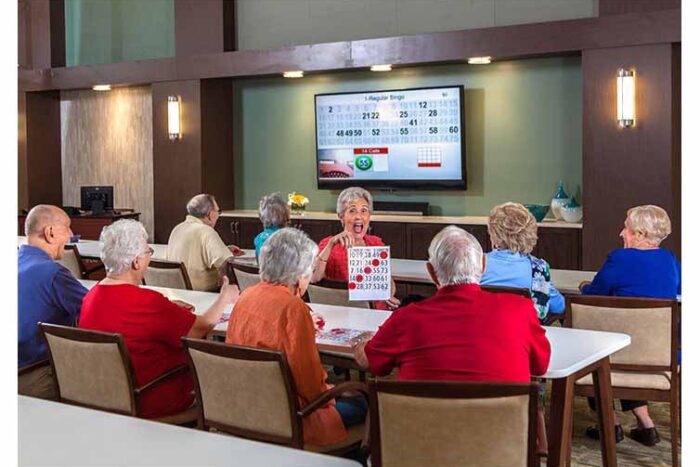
(107, 139)
(277, 23)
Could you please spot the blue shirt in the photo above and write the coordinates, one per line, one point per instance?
(629, 272)
(261, 237)
(47, 292)
(508, 269)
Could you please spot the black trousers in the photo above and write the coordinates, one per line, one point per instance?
(626, 404)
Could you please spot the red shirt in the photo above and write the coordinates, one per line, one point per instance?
(152, 327)
(462, 333)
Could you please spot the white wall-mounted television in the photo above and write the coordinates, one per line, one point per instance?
(397, 139)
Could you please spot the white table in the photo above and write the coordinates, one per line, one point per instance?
(57, 434)
(90, 249)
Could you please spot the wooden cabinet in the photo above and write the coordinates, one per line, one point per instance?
(418, 238)
(561, 248)
(239, 231)
(316, 230)
(393, 234)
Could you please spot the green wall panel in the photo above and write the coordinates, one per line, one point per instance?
(523, 121)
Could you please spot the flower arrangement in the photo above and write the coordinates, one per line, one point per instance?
(297, 202)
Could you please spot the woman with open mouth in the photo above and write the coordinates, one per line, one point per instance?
(354, 208)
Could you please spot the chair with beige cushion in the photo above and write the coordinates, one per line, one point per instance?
(452, 423)
(92, 369)
(647, 368)
(250, 392)
(169, 274)
(73, 262)
(246, 276)
(329, 292)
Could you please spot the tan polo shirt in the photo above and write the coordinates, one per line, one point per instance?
(202, 251)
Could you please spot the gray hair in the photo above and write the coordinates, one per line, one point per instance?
(350, 194)
(456, 257)
(287, 256)
(120, 243)
(651, 221)
(201, 205)
(40, 216)
(274, 211)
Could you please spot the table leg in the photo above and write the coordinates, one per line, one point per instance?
(561, 422)
(606, 418)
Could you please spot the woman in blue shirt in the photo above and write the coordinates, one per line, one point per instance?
(274, 214)
(640, 269)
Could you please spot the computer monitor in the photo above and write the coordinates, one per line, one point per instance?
(97, 199)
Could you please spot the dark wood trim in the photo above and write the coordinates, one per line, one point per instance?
(506, 42)
(43, 148)
(619, 7)
(511, 290)
(195, 27)
(161, 378)
(158, 264)
(34, 366)
(42, 34)
(57, 21)
(230, 30)
(561, 422)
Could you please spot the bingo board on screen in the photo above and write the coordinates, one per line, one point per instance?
(408, 138)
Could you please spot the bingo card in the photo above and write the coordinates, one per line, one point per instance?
(369, 270)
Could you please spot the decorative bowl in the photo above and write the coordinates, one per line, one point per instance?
(572, 214)
(538, 210)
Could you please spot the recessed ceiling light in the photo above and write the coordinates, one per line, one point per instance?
(386, 67)
(102, 87)
(479, 60)
(293, 74)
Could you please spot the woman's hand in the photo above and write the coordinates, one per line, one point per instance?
(344, 238)
(229, 292)
(393, 303)
(319, 322)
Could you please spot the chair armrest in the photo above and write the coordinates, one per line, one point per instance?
(159, 379)
(34, 366)
(332, 394)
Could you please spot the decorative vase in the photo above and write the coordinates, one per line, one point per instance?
(559, 200)
(572, 211)
(298, 209)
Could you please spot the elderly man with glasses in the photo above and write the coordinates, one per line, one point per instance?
(195, 243)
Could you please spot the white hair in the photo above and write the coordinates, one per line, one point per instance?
(287, 256)
(273, 211)
(351, 194)
(651, 221)
(456, 257)
(120, 243)
(201, 205)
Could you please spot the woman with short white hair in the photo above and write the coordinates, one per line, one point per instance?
(639, 269)
(272, 315)
(151, 324)
(354, 208)
(274, 214)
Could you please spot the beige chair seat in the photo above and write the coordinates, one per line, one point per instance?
(355, 435)
(186, 416)
(623, 379)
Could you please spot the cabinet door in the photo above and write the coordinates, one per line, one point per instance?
(393, 234)
(227, 227)
(419, 237)
(317, 230)
(561, 248)
(481, 233)
(248, 229)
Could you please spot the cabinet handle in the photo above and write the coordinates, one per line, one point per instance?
(232, 227)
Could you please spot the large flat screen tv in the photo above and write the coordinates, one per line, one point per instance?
(405, 138)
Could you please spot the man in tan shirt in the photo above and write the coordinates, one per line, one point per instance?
(195, 243)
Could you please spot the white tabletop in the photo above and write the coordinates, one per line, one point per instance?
(91, 248)
(63, 435)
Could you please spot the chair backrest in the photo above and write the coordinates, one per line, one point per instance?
(245, 391)
(523, 292)
(90, 368)
(170, 274)
(246, 276)
(448, 423)
(330, 292)
(649, 322)
(72, 261)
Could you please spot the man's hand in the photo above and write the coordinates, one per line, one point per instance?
(359, 351)
(235, 250)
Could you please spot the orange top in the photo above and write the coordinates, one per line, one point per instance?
(268, 316)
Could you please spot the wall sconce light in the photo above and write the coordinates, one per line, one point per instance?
(625, 98)
(174, 127)
(293, 74)
(386, 67)
(479, 60)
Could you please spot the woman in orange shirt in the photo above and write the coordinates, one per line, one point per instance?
(272, 315)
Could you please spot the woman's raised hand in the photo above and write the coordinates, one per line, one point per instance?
(344, 238)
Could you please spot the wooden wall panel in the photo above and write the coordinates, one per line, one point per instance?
(107, 139)
(627, 167)
(618, 7)
(199, 27)
(43, 148)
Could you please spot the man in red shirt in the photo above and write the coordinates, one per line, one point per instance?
(461, 333)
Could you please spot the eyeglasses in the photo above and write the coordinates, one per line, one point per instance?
(150, 251)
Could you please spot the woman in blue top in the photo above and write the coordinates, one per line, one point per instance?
(639, 269)
(513, 232)
(274, 214)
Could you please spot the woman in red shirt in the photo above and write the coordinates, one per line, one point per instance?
(354, 208)
(151, 324)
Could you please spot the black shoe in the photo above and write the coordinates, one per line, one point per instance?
(594, 433)
(646, 436)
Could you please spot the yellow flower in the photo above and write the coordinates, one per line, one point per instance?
(297, 199)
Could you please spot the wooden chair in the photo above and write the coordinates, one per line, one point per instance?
(647, 369)
(170, 274)
(28, 378)
(245, 276)
(250, 392)
(450, 423)
(330, 292)
(92, 369)
(523, 292)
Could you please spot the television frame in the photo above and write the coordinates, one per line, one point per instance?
(106, 190)
(415, 184)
